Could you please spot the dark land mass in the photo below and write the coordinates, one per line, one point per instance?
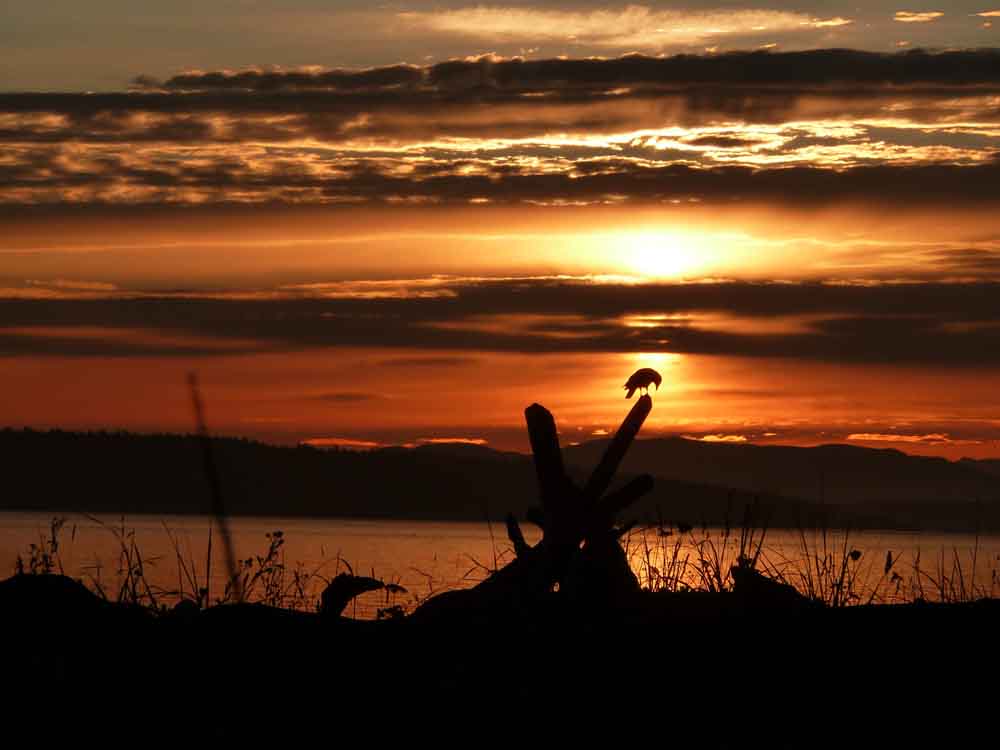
(695, 482)
(559, 643)
(700, 670)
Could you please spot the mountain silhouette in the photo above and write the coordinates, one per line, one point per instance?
(839, 474)
(117, 472)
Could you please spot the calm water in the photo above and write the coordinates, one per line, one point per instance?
(425, 557)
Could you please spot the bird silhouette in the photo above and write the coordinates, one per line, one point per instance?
(642, 379)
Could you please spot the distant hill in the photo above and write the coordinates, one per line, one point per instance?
(837, 474)
(696, 482)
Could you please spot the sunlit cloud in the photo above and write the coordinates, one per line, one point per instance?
(73, 285)
(507, 132)
(830, 22)
(718, 438)
(342, 443)
(426, 288)
(450, 441)
(41, 289)
(615, 170)
(904, 16)
(634, 27)
(930, 439)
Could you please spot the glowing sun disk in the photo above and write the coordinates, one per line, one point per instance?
(659, 254)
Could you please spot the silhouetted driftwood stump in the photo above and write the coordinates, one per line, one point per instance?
(579, 552)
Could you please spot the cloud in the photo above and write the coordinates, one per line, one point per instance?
(101, 340)
(723, 141)
(386, 77)
(72, 285)
(450, 441)
(428, 288)
(930, 439)
(965, 261)
(541, 181)
(60, 289)
(942, 324)
(635, 26)
(718, 438)
(343, 443)
(493, 129)
(904, 16)
(323, 90)
(821, 23)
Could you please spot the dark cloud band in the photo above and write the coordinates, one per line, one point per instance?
(944, 325)
(832, 67)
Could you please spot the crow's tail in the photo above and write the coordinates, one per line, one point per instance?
(630, 391)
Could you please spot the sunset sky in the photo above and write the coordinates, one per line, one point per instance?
(395, 223)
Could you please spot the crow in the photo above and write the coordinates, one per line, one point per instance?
(642, 379)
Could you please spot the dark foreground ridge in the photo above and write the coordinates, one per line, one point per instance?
(559, 641)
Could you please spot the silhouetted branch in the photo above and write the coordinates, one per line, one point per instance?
(515, 536)
(617, 501)
(605, 471)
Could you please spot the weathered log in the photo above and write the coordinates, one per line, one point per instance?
(544, 437)
(570, 518)
(617, 501)
(516, 536)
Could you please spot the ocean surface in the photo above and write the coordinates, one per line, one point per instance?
(164, 558)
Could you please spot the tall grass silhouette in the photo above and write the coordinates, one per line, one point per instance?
(826, 565)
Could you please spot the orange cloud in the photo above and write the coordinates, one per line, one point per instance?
(634, 27)
(822, 23)
(451, 440)
(904, 16)
(718, 438)
(935, 438)
(339, 442)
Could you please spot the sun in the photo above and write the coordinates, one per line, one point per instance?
(663, 254)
